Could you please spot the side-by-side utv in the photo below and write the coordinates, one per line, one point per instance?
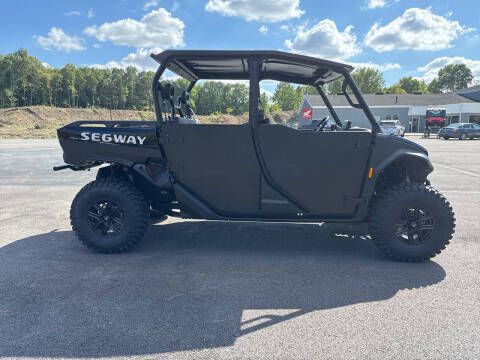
(257, 171)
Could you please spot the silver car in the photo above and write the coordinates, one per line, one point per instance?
(392, 127)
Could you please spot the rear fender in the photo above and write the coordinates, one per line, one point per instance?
(152, 179)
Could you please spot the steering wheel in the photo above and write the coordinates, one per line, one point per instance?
(321, 124)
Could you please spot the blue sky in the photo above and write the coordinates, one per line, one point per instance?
(401, 37)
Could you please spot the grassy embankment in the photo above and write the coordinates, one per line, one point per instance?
(40, 122)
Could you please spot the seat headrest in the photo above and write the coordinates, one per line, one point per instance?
(185, 97)
(168, 92)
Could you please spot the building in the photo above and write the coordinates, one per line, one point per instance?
(410, 109)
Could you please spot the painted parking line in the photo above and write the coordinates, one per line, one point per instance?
(457, 170)
(461, 192)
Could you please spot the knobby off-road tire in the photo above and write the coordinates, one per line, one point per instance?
(109, 215)
(411, 222)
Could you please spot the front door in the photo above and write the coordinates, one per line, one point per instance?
(217, 163)
(414, 124)
(322, 172)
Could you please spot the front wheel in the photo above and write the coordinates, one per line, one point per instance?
(109, 215)
(411, 222)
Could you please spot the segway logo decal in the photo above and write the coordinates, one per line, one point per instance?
(113, 138)
(307, 114)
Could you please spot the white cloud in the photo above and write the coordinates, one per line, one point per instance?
(415, 29)
(257, 10)
(376, 4)
(90, 13)
(382, 67)
(73, 13)
(158, 28)
(372, 4)
(58, 40)
(150, 3)
(325, 40)
(263, 29)
(430, 70)
(140, 59)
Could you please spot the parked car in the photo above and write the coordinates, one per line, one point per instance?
(461, 131)
(392, 127)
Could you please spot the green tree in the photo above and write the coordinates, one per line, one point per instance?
(235, 97)
(209, 98)
(395, 89)
(265, 101)
(335, 87)
(411, 85)
(287, 96)
(68, 85)
(369, 80)
(8, 98)
(454, 77)
(434, 87)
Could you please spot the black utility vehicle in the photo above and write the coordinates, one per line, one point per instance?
(258, 171)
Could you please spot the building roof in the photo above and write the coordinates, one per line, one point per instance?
(233, 64)
(394, 100)
(472, 93)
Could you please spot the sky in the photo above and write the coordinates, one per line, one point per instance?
(400, 37)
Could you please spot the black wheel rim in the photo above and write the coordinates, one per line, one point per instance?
(106, 218)
(414, 226)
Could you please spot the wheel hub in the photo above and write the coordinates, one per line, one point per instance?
(106, 218)
(414, 226)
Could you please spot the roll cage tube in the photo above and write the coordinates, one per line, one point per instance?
(329, 105)
(254, 91)
(361, 101)
(155, 92)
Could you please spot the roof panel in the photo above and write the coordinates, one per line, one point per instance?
(277, 65)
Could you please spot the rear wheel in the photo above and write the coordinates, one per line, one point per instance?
(411, 222)
(109, 215)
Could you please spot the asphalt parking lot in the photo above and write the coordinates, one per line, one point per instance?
(212, 290)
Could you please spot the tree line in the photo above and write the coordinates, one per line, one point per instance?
(25, 81)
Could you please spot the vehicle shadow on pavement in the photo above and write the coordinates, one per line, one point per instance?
(189, 285)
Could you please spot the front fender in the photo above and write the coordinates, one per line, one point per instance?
(417, 165)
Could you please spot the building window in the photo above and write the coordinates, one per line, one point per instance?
(452, 119)
(474, 119)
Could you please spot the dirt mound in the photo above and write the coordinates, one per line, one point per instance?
(42, 121)
(38, 122)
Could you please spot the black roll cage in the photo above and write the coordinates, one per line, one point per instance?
(255, 60)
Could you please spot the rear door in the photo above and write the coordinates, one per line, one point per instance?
(215, 162)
